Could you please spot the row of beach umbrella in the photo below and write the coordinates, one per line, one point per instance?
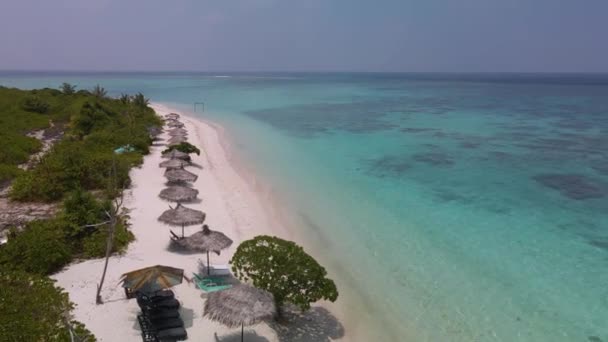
(239, 305)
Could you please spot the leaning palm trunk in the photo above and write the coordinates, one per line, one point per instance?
(112, 220)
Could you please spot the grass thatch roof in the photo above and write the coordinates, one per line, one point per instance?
(180, 175)
(174, 163)
(175, 154)
(178, 193)
(240, 305)
(182, 216)
(206, 240)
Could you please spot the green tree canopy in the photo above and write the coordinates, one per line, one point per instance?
(283, 268)
(185, 147)
(33, 309)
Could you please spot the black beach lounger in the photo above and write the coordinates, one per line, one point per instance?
(168, 303)
(167, 323)
(173, 334)
(148, 334)
(154, 315)
(162, 294)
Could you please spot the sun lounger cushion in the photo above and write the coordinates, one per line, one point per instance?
(170, 303)
(163, 324)
(173, 334)
(154, 315)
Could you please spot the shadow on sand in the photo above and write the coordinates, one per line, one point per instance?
(314, 325)
(249, 336)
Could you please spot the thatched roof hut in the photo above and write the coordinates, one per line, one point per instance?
(240, 305)
(174, 123)
(178, 193)
(174, 164)
(204, 241)
(176, 140)
(208, 240)
(175, 154)
(177, 131)
(180, 176)
(182, 216)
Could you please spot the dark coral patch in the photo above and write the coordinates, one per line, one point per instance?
(416, 130)
(601, 168)
(602, 244)
(388, 166)
(438, 159)
(573, 186)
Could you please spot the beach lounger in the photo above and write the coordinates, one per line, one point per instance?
(148, 334)
(167, 323)
(156, 314)
(173, 334)
(168, 303)
(151, 334)
(210, 284)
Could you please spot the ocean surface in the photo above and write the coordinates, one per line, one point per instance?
(449, 207)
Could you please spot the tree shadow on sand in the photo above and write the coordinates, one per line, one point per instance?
(314, 325)
(249, 336)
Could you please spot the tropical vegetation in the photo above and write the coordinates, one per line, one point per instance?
(284, 269)
(82, 173)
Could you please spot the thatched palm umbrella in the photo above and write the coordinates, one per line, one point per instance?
(152, 278)
(172, 116)
(154, 131)
(240, 305)
(178, 193)
(176, 140)
(182, 216)
(205, 241)
(175, 154)
(177, 131)
(174, 124)
(180, 176)
(173, 163)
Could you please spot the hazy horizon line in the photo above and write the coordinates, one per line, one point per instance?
(298, 71)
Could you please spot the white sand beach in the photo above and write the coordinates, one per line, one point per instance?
(231, 205)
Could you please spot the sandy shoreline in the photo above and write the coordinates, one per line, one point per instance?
(232, 206)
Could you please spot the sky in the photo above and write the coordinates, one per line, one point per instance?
(305, 35)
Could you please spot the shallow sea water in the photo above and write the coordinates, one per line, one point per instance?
(449, 207)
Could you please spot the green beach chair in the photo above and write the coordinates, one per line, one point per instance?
(210, 284)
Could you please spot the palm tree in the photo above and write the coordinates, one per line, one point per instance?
(125, 98)
(99, 92)
(67, 88)
(140, 100)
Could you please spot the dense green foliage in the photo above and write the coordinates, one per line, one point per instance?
(45, 246)
(185, 147)
(33, 309)
(283, 268)
(41, 248)
(84, 157)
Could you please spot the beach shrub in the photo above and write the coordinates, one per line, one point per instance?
(41, 248)
(185, 147)
(8, 172)
(282, 268)
(94, 245)
(32, 308)
(35, 104)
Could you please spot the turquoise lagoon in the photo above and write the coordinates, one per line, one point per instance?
(449, 207)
